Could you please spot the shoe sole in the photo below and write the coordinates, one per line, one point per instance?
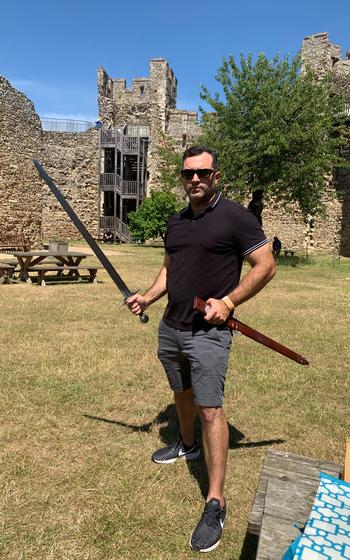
(187, 456)
(205, 549)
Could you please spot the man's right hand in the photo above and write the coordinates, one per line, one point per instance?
(137, 304)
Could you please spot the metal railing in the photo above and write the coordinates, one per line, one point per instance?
(115, 225)
(131, 143)
(141, 130)
(111, 181)
(112, 136)
(115, 137)
(130, 187)
(65, 125)
(347, 109)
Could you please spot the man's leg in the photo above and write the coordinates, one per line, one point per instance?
(186, 411)
(178, 370)
(210, 360)
(215, 438)
(185, 447)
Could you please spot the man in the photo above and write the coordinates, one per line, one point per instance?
(276, 246)
(205, 246)
(108, 237)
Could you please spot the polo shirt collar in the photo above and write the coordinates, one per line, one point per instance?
(188, 210)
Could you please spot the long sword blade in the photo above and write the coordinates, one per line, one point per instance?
(119, 282)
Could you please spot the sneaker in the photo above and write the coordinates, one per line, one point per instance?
(176, 451)
(207, 534)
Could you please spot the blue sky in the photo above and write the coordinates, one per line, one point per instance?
(51, 49)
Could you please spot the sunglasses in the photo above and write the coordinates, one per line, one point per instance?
(201, 173)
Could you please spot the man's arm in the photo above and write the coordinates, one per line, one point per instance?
(138, 303)
(262, 271)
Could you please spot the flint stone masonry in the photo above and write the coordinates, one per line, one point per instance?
(146, 102)
(321, 234)
(325, 58)
(71, 159)
(20, 186)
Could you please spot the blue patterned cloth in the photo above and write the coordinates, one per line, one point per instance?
(327, 532)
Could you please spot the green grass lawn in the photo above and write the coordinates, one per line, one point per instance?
(84, 403)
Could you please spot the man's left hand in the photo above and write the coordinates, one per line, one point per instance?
(217, 311)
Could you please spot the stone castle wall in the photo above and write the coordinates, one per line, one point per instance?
(322, 234)
(20, 185)
(183, 126)
(146, 102)
(325, 58)
(71, 159)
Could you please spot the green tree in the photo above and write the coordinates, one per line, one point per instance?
(278, 131)
(150, 220)
(170, 162)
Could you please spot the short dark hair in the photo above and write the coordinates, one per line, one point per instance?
(197, 151)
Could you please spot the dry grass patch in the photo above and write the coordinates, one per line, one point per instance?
(85, 403)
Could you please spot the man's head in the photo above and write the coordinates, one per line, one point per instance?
(199, 175)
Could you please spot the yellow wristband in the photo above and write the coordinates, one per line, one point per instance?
(228, 302)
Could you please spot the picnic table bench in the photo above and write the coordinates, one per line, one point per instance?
(28, 259)
(73, 272)
(13, 242)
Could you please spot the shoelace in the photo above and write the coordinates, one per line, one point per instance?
(211, 514)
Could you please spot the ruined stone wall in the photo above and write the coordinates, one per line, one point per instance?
(319, 54)
(71, 159)
(183, 126)
(20, 185)
(144, 103)
(325, 58)
(322, 234)
(343, 187)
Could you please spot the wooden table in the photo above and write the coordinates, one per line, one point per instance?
(28, 259)
(284, 498)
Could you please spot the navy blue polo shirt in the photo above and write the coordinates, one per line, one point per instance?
(206, 254)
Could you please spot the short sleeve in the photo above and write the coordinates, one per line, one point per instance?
(248, 234)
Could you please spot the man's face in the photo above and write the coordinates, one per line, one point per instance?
(200, 190)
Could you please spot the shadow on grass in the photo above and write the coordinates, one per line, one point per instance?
(169, 432)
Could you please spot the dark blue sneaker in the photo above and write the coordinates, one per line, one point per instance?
(207, 534)
(176, 451)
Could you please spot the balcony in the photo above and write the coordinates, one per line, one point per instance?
(113, 181)
(126, 144)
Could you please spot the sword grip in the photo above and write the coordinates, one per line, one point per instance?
(144, 318)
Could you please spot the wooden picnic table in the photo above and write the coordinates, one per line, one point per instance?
(28, 259)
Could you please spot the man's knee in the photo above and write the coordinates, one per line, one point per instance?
(210, 414)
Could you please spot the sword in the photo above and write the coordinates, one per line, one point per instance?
(119, 282)
(236, 325)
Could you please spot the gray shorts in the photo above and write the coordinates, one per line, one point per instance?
(196, 359)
